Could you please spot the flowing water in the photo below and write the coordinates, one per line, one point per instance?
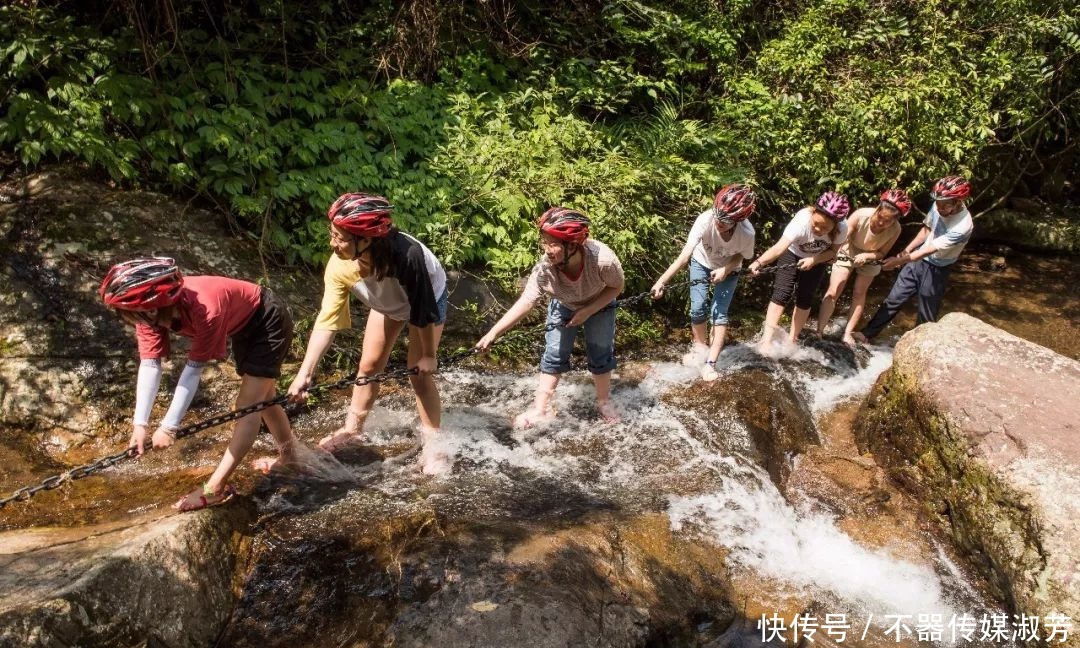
(692, 464)
(362, 549)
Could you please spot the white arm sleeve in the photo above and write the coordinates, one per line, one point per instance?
(185, 393)
(146, 386)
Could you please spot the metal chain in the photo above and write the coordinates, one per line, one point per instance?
(844, 257)
(627, 301)
(79, 472)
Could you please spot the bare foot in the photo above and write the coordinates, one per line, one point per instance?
(531, 418)
(265, 464)
(434, 458)
(608, 413)
(341, 438)
(196, 499)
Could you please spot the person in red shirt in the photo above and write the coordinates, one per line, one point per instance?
(153, 295)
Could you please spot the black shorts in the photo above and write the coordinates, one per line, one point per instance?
(792, 280)
(260, 347)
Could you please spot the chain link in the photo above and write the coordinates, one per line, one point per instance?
(80, 472)
(628, 301)
(845, 258)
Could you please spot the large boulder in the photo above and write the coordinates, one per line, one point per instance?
(159, 581)
(984, 427)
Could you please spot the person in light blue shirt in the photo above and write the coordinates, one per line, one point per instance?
(928, 259)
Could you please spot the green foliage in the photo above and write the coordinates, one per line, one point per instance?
(514, 155)
(634, 111)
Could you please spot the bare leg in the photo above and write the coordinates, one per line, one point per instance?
(798, 321)
(602, 382)
(287, 444)
(719, 334)
(541, 407)
(545, 390)
(252, 390)
(837, 281)
(379, 336)
(858, 302)
(772, 324)
(427, 393)
(698, 331)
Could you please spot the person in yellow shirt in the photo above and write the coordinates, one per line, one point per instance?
(403, 283)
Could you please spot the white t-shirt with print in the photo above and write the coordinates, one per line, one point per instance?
(803, 241)
(710, 248)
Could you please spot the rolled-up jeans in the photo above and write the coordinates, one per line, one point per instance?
(723, 293)
(599, 340)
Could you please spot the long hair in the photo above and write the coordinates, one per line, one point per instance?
(382, 255)
(835, 231)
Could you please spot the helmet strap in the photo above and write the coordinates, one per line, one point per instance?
(565, 255)
(359, 252)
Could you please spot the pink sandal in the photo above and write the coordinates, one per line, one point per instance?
(206, 500)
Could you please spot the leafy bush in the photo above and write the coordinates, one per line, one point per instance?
(633, 111)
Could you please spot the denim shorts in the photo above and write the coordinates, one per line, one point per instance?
(441, 305)
(722, 295)
(559, 341)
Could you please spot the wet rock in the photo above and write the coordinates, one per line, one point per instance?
(983, 427)
(744, 634)
(778, 419)
(67, 361)
(610, 581)
(164, 581)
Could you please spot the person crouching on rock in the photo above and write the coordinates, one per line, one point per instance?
(583, 277)
(873, 231)
(152, 294)
(719, 240)
(402, 282)
(808, 243)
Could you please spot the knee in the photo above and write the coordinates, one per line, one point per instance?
(422, 384)
(697, 312)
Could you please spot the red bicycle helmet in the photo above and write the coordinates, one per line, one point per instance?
(734, 203)
(565, 224)
(362, 214)
(952, 187)
(142, 284)
(834, 204)
(898, 198)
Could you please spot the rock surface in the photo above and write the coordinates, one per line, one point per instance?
(68, 364)
(164, 581)
(985, 428)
